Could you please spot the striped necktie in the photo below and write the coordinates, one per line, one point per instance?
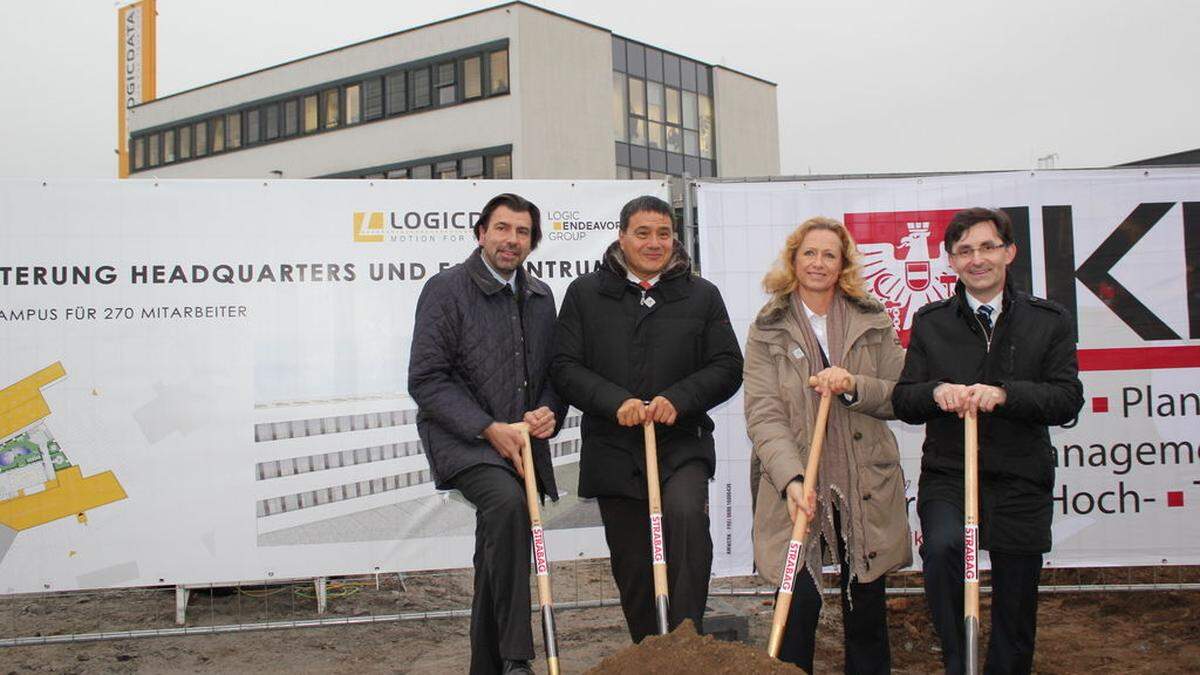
(985, 317)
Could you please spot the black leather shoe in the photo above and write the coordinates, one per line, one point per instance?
(517, 667)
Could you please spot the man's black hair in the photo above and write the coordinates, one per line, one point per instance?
(968, 218)
(516, 203)
(646, 203)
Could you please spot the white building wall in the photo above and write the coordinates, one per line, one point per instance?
(563, 75)
(747, 118)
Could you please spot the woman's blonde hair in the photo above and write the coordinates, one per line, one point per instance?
(781, 280)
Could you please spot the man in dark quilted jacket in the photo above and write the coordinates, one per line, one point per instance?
(480, 351)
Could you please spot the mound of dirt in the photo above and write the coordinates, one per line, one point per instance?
(683, 652)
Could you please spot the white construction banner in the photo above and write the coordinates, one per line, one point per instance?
(206, 381)
(1119, 248)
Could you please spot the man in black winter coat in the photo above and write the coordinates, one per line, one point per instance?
(480, 351)
(644, 328)
(1010, 357)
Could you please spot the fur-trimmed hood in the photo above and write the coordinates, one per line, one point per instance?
(679, 264)
(776, 308)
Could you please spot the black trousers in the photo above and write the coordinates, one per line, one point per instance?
(864, 620)
(689, 551)
(1015, 579)
(500, 622)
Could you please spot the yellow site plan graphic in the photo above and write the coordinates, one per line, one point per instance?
(38, 484)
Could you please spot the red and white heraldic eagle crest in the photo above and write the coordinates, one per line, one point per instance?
(904, 263)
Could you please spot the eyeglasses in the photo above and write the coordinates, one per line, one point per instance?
(984, 249)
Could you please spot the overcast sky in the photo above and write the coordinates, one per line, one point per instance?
(864, 87)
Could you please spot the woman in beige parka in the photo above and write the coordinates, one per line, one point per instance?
(820, 322)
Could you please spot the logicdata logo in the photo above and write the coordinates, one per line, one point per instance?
(368, 226)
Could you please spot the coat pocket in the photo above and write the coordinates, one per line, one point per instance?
(885, 515)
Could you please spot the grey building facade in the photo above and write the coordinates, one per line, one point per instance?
(513, 91)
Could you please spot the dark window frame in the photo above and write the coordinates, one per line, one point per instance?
(272, 112)
(345, 102)
(462, 79)
(182, 144)
(438, 85)
(488, 90)
(487, 155)
(253, 132)
(413, 74)
(367, 83)
(690, 79)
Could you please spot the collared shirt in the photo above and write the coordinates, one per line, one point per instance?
(511, 281)
(638, 280)
(819, 326)
(996, 303)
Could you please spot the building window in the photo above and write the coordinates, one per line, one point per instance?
(185, 142)
(654, 136)
(637, 97)
(671, 70)
(332, 107)
(663, 116)
(673, 107)
(635, 59)
(397, 96)
(311, 111)
(398, 174)
(498, 72)
(471, 167)
(637, 131)
(674, 139)
(501, 167)
(445, 83)
(447, 170)
(201, 132)
(420, 172)
(168, 146)
(472, 78)
(372, 98)
(139, 153)
(291, 118)
(233, 131)
(152, 157)
(687, 71)
(419, 83)
(351, 96)
(620, 106)
(218, 134)
(689, 111)
(271, 115)
(253, 134)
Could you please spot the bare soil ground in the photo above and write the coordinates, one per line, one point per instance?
(1107, 631)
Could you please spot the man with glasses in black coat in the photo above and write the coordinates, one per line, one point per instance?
(994, 350)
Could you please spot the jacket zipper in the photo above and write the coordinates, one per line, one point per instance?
(987, 339)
